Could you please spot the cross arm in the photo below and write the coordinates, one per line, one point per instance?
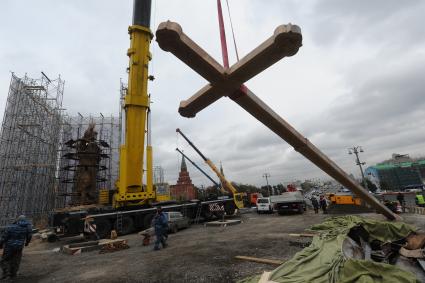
(170, 37)
(200, 100)
(285, 42)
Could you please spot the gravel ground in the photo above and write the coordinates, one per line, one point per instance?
(197, 254)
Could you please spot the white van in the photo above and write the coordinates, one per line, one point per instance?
(264, 205)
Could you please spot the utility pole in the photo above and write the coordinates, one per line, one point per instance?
(356, 150)
(267, 175)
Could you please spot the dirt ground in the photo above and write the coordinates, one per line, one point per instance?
(197, 254)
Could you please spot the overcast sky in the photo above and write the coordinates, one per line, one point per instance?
(358, 79)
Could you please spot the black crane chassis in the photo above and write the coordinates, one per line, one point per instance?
(71, 223)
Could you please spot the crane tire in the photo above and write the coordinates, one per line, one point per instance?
(127, 226)
(229, 208)
(103, 227)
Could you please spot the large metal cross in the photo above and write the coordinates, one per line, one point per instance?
(286, 41)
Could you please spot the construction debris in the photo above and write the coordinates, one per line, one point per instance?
(418, 253)
(354, 249)
(147, 235)
(415, 241)
(112, 245)
(260, 260)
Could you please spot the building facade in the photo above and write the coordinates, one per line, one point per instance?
(184, 189)
(397, 176)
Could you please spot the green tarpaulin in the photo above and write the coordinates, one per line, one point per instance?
(323, 261)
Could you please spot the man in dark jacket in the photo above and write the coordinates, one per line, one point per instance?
(400, 198)
(160, 223)
(315, 204)
(323, 204)
(13, 240)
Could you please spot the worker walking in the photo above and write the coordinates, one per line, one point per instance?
(419, 200)
(323, 204)
(13, 240)
(160, 224)
(315, 204)
(400, 198)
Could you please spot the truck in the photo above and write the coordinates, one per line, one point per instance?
(253, 197)
(131, 204)
(289, 202)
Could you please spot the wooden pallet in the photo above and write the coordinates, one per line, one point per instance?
(78, 248)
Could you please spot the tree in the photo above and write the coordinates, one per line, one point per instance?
(279, 188)
(246, 188)
(306, 185)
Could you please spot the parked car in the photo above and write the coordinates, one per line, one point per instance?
(176, 221)
(264, 205)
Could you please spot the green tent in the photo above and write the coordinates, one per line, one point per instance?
(324, 262)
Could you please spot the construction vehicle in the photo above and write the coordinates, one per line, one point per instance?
(292, 201)
(346, 202)
(237, 197)
(253, 197)
(291, 188)
(344, 198)
(131, 206)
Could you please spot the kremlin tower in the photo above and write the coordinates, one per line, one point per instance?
(184, 189)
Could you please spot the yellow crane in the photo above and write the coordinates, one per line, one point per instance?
(129, 186)
(237, 197)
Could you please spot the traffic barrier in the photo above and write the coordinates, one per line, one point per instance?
(416, 210)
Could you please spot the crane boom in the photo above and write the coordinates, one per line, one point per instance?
(129, 187)
(226, 184)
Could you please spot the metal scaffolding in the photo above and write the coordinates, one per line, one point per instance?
(108, 129)
(29, 142)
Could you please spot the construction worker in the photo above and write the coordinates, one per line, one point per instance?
(419, 200)
(323, 204)
(160, 223)
(90, 229)
(315, 204)
(12, 242)
(400, 198)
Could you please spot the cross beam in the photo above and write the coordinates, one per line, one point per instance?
(286, 41)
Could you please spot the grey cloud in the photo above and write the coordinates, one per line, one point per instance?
(373, 47)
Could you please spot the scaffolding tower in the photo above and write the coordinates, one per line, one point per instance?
(108, 138)
(29, 143)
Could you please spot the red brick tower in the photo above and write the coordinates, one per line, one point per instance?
(184, 189)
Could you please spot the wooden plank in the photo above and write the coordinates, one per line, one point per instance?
(260, 260)
(77, 250)
(83, 244)
(307, 235)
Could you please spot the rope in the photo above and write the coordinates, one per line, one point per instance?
(233, 33)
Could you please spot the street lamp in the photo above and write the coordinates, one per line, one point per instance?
(356, 150)
(267, 175)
